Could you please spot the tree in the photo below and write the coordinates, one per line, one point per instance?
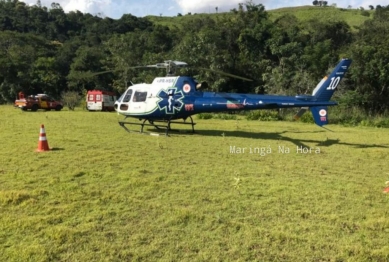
(315, 3)
(85, 65)
(126, 51)
(370, 71)
(17, 58)
(45, 77)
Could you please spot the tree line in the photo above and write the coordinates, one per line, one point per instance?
(45, 50)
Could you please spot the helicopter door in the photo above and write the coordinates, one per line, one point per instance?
(138, 103)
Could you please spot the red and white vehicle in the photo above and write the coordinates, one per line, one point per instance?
(99, 100)
(35, 102)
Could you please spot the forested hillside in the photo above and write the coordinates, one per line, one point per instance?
(48, 50)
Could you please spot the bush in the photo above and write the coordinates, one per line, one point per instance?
(205, 116)
(346, 116)
(225, 116)
(380, 122)
(263, 115)
(71, 99)
(307, 117)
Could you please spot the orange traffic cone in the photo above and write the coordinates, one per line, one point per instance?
(43, 145)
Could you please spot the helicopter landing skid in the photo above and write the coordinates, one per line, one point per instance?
(158, 124)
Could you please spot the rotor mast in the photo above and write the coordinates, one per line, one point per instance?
(171, 66)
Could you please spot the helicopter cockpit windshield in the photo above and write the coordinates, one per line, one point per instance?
(124, 100)
(127, 96)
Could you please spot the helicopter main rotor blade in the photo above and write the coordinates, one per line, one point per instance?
(226, 74)
(104, 72)
(131, 67)
(171, 67)
(146, 66)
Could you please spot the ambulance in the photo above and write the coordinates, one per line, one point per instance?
(100, 100)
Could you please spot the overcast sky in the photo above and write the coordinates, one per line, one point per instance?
(116, 8)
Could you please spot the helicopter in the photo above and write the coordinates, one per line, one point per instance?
(171, 98)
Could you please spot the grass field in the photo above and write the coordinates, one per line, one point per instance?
(103, 194)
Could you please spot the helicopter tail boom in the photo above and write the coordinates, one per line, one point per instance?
(324, 91)
(327, 86)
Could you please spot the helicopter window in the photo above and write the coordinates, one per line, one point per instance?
(127, 97)
(140, 96)
(121, 97)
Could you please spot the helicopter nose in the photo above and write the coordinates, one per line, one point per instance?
(120, 107)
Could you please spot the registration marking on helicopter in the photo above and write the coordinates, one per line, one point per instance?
(166, 80)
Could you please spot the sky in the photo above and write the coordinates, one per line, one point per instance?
(140, 8)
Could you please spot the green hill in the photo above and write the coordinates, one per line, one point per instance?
(353, 17)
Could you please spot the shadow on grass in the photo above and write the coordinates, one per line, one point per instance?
(269, 136)
(57, 149)
(281, 137)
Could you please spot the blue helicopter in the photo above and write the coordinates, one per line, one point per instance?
(169, 99)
